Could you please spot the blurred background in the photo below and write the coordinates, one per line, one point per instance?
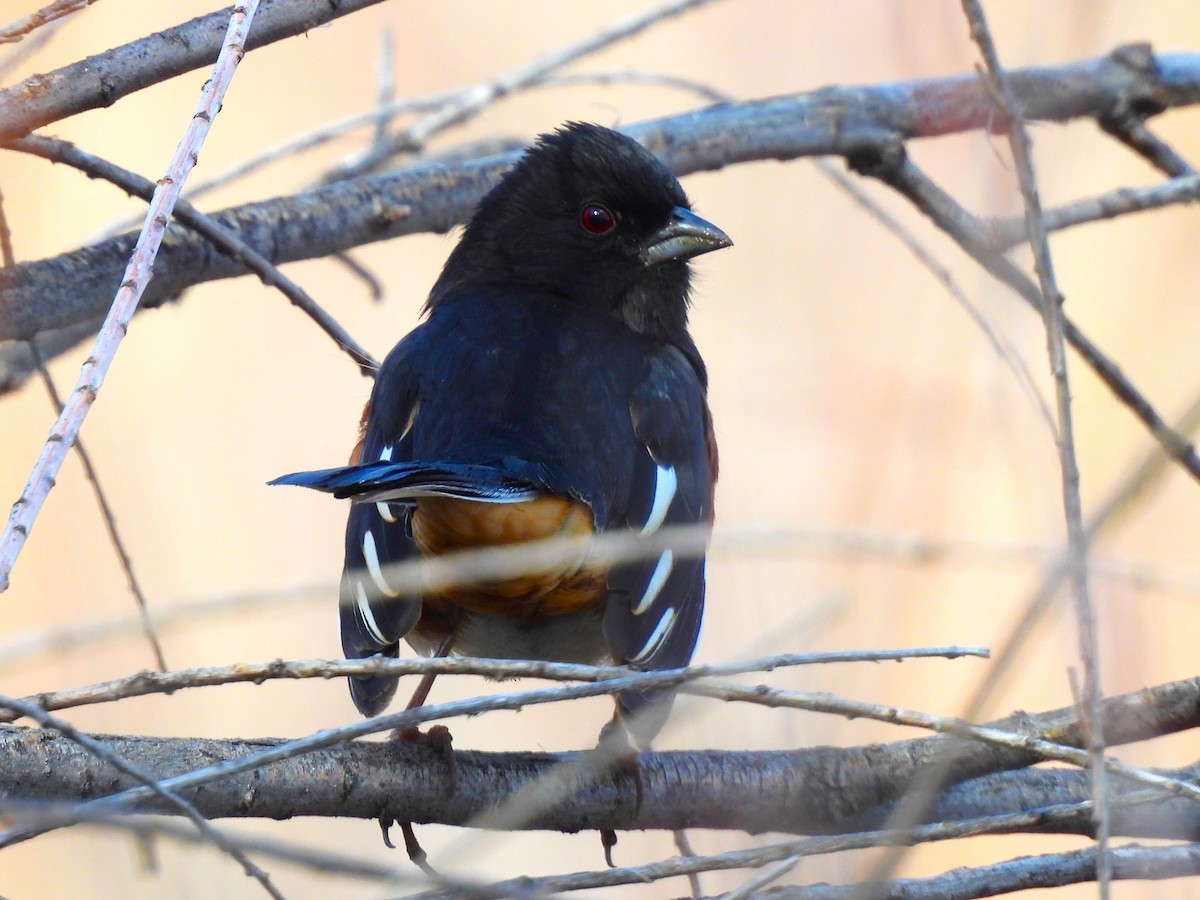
(858, 410)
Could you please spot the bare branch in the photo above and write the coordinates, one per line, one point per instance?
(101, 753)
(146, 682)
(109, 517)
(1004, 350)
(220, 238)
(21, 648)
(814, 790)
(474, 100)
(1006, 233)
(101, 80)
(1052, 301)
(891, 164)
(1127, 124)
(133, 284)
(1132, 862)
(55, 292)
(305, 856)
(44, 16)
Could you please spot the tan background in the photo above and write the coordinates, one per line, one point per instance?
(852, 397)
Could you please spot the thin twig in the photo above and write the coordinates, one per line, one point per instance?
(301, 143)
(1148, 470)
(106, 512)
(29, 47)
(110, 518)
(144, 683)
(1003, 234)
(701, 89)
(385, 81)
(1128, 125)
(22, 647)
(684, 845)
(474, 100)
(44, 16)
(769, 875)
(222, 238)
(65, 640)
(1004, 350)
(317, 860)
(762, 856)
(889, 162)
(7, 257)
(152, 784)
(1052, 312)
(137, 274)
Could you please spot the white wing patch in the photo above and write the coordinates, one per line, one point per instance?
(371, 556)
(384, 509)
(368, 617)
(656, 638)
(665, 483)
(412, 417)
(658, 578)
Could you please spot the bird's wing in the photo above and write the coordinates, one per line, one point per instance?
(376, 611)
(652, 620)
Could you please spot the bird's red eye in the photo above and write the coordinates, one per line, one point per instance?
(596, 219)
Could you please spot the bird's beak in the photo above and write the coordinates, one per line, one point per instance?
(685, 236)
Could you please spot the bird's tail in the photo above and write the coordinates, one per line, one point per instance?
(405, 482)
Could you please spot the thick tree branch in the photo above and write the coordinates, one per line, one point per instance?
(99, 751)
(72, 287)
(819, 790)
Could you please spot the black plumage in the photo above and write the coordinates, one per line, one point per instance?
(552, 389)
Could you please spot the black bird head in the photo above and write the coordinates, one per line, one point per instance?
(590, 214)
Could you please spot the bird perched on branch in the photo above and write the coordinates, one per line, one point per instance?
(553, 390)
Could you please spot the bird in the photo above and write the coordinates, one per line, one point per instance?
(552, 389)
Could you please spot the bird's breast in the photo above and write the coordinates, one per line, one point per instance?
(444, 525)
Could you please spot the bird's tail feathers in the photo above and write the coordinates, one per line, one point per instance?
(404, 482)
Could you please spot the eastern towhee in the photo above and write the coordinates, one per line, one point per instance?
(552, 390)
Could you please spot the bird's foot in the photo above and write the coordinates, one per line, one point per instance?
(439, 739)
(608, 840)
(412, 846)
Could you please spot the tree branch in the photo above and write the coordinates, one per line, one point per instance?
(137, 274)
(1054, 319)
(76, 286)
(101, 80)
(820, 790)
(1132, 863)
